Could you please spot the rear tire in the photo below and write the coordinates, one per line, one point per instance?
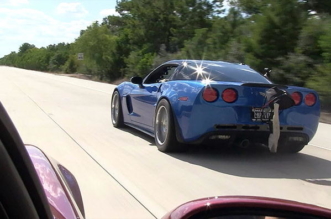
(164, 129)
(116, 110)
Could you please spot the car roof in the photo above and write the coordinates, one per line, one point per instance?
(221, 71)
(206, 63)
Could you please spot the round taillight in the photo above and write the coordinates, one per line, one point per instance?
(296, 96)
(229, 95)
(210, 94)
(310, 99)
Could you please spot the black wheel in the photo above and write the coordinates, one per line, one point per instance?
(116, 110)
(164, 129)
(290, 148)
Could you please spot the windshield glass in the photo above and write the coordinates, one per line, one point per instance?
(154, 103)
(220, 72)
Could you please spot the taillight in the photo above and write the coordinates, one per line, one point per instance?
(229, 95)
(297, 97)
(310, 99)
(210, 94)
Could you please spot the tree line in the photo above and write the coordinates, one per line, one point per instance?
(291, 37)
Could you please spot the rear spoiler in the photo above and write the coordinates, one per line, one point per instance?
(264, 85)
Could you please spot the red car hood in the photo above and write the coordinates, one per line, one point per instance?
(225, 202)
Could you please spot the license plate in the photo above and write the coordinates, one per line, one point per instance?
(261, 114)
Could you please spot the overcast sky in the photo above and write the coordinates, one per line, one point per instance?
(45, 22)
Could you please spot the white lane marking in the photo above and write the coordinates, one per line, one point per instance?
(320, 147)
(51, 76)
(79, 85)
(88, 153)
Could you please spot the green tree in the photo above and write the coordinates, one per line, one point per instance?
(98, 46)
(308, 43)
(293, 69)
(214, 42)
(71, 64)
(9, 59)
(24, 48)
(59, 55)
(250, 7)
(318, 6)
(139, 63)
(275, 34)
(321, 80)
(35, 59)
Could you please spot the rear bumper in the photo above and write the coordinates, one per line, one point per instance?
(229, 134)
(203, 120)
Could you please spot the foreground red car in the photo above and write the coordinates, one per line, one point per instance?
(246, 207)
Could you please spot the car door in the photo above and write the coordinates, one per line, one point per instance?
(143, 101)
(144, 98)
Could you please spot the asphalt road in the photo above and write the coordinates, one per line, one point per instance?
(123, 175)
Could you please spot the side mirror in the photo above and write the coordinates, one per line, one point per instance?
(137, 80)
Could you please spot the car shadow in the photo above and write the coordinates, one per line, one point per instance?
(139, 134)
(258, 162)
(253, 162)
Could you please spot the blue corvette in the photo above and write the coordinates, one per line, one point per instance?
(185, 102)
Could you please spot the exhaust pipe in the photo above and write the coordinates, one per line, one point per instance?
(243, 143)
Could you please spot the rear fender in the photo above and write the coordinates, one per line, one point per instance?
(181, 97)
(179, 135)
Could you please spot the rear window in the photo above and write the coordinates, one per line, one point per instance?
(221, 72)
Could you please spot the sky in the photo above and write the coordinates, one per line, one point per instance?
(45, 22)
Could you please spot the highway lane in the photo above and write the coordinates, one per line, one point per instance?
(123, 175)
(103, 196)
(322, 137)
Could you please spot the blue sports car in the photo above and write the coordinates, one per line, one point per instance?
(185, 102)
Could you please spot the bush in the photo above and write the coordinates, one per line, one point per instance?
(71, 65)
